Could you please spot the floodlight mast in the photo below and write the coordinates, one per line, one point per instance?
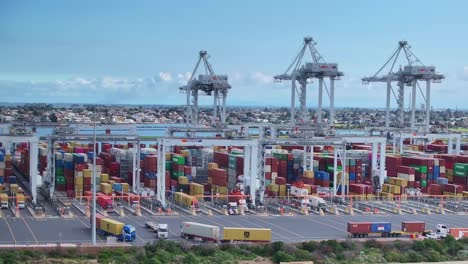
(208, 84)
(408, 76)
(301, 73)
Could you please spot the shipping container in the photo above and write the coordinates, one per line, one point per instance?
(413, 226)
(356, 228)
(246, 234)
(191, 230)
(111, 226)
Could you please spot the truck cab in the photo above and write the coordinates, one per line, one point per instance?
(442, 230)
(4, 200)
(233, 209)
(317, 203)
(128, 233)
(162, 231)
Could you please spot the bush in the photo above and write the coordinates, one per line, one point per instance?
(392, 256)
(281, 256)
(310, 246)
(302, 255)
(277, 246)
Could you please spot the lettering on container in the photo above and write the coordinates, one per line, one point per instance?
(381, 228)
(247, 234)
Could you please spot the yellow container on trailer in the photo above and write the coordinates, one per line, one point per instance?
(111, 226)
(20, 197)
(274, 187)
(247, 234)
(3, 197)
(196, 189)
(14, 188)
(79, 180)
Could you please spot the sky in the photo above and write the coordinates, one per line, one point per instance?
(141, 52)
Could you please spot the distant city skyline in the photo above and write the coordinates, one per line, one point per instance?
(105, 52)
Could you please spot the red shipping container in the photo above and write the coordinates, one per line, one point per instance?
(309, 181)
(359, 228)
(268, 175)
(413, 226)
(173, 183)
(151, 163)
(452, 188)
(280, 180)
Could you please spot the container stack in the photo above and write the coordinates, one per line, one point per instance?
(271, 170)
(235, 169)
(150, 170)
(42, 160)
(362, 191)
(460, 175)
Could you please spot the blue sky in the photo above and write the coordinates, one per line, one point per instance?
(141, 51)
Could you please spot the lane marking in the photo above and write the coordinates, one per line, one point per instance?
(30, 230)
(273, 233)
(11, 231)
(294, 233)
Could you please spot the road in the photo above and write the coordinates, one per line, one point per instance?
(28, 230)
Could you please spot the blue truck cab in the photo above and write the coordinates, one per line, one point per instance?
(128, 234)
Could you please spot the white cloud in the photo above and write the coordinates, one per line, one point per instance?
(261, 78)
(165, 76)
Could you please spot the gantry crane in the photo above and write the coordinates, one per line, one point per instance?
(318, 69)
(209, 84)
(408, 76)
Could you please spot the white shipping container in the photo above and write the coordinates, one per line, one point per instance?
(296, 191)
(191, 229)
(442, 169)
(267, 168)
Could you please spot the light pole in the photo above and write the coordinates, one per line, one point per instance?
(94, 184)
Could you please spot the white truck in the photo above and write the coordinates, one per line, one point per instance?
(161, 230)
(317, 203)
(197, 231)
(233, 209)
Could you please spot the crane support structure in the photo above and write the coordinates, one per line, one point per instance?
(209, 84)
(301, 73)
(409, 75)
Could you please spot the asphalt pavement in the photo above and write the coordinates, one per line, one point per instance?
(297, 228)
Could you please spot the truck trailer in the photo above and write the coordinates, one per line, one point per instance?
(384, 229)
(190, 230)
(4, 200)
(109, 227)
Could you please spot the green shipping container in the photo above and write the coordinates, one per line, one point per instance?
(60, 180)
(176, 174)
(420, 169)
(178, 159)
(168, 165)
(330, 168)
(423, 183)
(58, 171)
(461, 167)
(460, 173)
(280, 156)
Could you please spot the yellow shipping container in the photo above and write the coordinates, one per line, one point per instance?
(87, 173)
(391, 180)
(449, 172)
(196, 189)
(212, 166)
(111, 182)
(168, 156)
(14, 188)
(111, 226)
(401, 182)
(106, 188)
(219, 189)
(3, 197)
(8, 157)
(104, 177)
(125, 187)
(386, 195)
(396, 189)
(458, 195)
(183, 180)
(20, 197)
(247, 234)
(274, 187)
(78, 180)
(210, 181)
(309, 174)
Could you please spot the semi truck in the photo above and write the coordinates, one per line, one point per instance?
(191, 230)
(112, 228)
(317, 203)
(105, 202)
(20, 200)
(384, 229)
(4, 200)
(161, 230)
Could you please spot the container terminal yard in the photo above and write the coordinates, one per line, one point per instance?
(238, 182)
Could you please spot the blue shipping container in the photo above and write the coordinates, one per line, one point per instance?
(2, 180)
(383, 227)
(12, 179)
(117, 187)
(436, 172)
(352, 176)
(150, 175)
(442, 181)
